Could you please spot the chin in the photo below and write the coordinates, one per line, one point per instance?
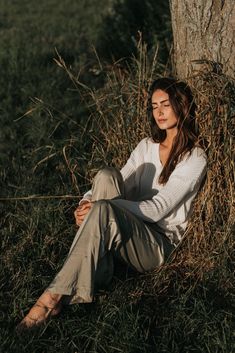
(162, 127)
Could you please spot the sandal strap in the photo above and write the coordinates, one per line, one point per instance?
(47, 308)
(33, 319)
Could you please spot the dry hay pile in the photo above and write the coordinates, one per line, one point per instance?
(120, 121)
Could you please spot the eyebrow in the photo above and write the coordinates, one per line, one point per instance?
(165, 100)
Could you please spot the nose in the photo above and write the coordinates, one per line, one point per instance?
(159, 111)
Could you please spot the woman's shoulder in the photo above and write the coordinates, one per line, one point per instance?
(193, 166)
(144, 146)
(146, 141)
(198, 152)
(196, 155)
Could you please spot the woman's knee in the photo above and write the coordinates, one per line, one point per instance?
(108, 172)
(101, 206)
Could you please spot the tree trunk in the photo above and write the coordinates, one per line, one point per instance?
(204, 34)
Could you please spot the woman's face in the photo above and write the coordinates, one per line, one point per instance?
(163, 112)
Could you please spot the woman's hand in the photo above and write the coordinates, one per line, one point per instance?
(81, 211)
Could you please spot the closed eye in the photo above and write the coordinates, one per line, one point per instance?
(164, 105)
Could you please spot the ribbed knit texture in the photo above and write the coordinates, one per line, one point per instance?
(169, 205)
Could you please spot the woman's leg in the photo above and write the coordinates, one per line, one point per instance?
(107, 231)
(108, 183)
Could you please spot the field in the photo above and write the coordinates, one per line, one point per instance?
(66, 110)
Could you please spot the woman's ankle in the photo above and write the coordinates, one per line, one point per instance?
(50, 299)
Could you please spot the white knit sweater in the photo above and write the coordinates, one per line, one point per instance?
(169, 205)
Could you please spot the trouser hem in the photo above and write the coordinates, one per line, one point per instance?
(73, 297)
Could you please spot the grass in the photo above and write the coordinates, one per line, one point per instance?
(185, 306)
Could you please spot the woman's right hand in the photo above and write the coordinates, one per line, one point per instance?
(81, 211)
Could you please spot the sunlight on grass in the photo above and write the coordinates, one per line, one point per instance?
(185, 306)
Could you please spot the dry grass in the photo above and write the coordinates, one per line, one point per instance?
(186, 305)
(119, 122)
(204, 262)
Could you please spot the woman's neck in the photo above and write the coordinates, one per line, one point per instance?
(170, 135)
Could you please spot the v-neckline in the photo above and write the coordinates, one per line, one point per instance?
(158, 155)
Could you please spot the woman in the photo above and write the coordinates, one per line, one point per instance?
(139, 214)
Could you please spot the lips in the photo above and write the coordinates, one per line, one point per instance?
(162, 121)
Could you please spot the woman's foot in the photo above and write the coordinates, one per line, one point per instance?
(46, 306)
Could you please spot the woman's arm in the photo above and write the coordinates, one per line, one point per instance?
(183, 182)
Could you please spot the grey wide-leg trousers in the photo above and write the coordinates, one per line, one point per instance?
(108, 231)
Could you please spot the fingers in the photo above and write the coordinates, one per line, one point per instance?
(83, 202)
(81, 212)
(82, 209)
(78, 221)
(84, 205)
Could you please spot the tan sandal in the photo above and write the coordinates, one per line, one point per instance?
(38, 314)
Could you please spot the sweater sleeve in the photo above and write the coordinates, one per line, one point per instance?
(86, 197)
(184, 180)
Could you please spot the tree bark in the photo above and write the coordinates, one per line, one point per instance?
(203, 34)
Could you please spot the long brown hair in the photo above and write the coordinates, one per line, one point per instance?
(182, 102)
